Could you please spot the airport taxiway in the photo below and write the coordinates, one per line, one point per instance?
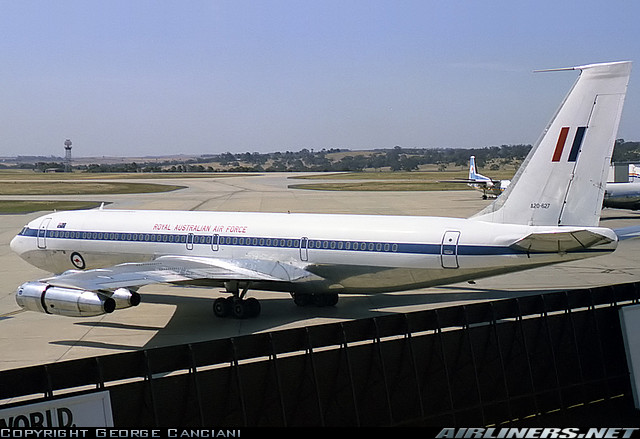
(173, 315)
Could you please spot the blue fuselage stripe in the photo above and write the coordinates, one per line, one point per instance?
(312, 244)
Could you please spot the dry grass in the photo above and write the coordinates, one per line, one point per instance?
(21, 207)
(80, 188)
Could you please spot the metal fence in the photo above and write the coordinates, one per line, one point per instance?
(507, 361)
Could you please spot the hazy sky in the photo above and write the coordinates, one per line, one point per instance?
(136, 78)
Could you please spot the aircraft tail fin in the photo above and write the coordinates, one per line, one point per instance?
(562, 180)
(473, 174)
(472, 168)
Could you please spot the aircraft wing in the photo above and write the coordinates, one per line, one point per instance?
(486, 183)
(177, 269)
(545, 242)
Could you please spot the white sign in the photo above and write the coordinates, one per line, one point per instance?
(90, 410)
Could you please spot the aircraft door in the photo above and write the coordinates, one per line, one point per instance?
(215, 242)
(190, 241)
(42, 233)
(304, 254)
(449, 249)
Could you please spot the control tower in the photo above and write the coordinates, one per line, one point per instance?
(67, 155)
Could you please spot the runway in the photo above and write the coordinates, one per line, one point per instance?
(172, 315)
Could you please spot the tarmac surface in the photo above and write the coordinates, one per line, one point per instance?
(174, 315)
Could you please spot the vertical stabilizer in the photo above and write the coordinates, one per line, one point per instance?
(473, 174)
(562, 180)
(472, 168)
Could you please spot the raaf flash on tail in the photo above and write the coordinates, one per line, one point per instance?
(548, 214)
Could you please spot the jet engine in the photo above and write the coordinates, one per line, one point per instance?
(124, 298)
(42, 297)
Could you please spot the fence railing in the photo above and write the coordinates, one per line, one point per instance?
(484, 363)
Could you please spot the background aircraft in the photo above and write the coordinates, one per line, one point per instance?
(488, 186)
(619, 195)
(622, 196)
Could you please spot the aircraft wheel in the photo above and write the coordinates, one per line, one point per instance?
(302, 299)
(239, 309)
(332, 299)
(325, 299)
(244, 309)
(254, 306)
(222, 307)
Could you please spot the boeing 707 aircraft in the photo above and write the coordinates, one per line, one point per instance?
(549, 214)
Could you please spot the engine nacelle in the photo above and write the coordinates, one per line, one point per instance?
(42, 297)
(125, 298)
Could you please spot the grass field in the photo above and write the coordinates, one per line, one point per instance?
(25, 174)
(30, 183)
(392, 181)
(17, 207)
(22, 182)
(14, 187)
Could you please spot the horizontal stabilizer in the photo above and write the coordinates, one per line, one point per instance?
(628, 232)
(560, 242)
(476, 182)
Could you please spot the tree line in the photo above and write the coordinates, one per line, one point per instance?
(337, 159)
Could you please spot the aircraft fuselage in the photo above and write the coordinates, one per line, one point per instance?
(347, 253)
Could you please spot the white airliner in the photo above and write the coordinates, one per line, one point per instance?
(549, 214)
(622, 196)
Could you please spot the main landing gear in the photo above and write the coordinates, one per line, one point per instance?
(236, 305)
(240, 308)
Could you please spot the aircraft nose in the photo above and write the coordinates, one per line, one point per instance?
(18, 244)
